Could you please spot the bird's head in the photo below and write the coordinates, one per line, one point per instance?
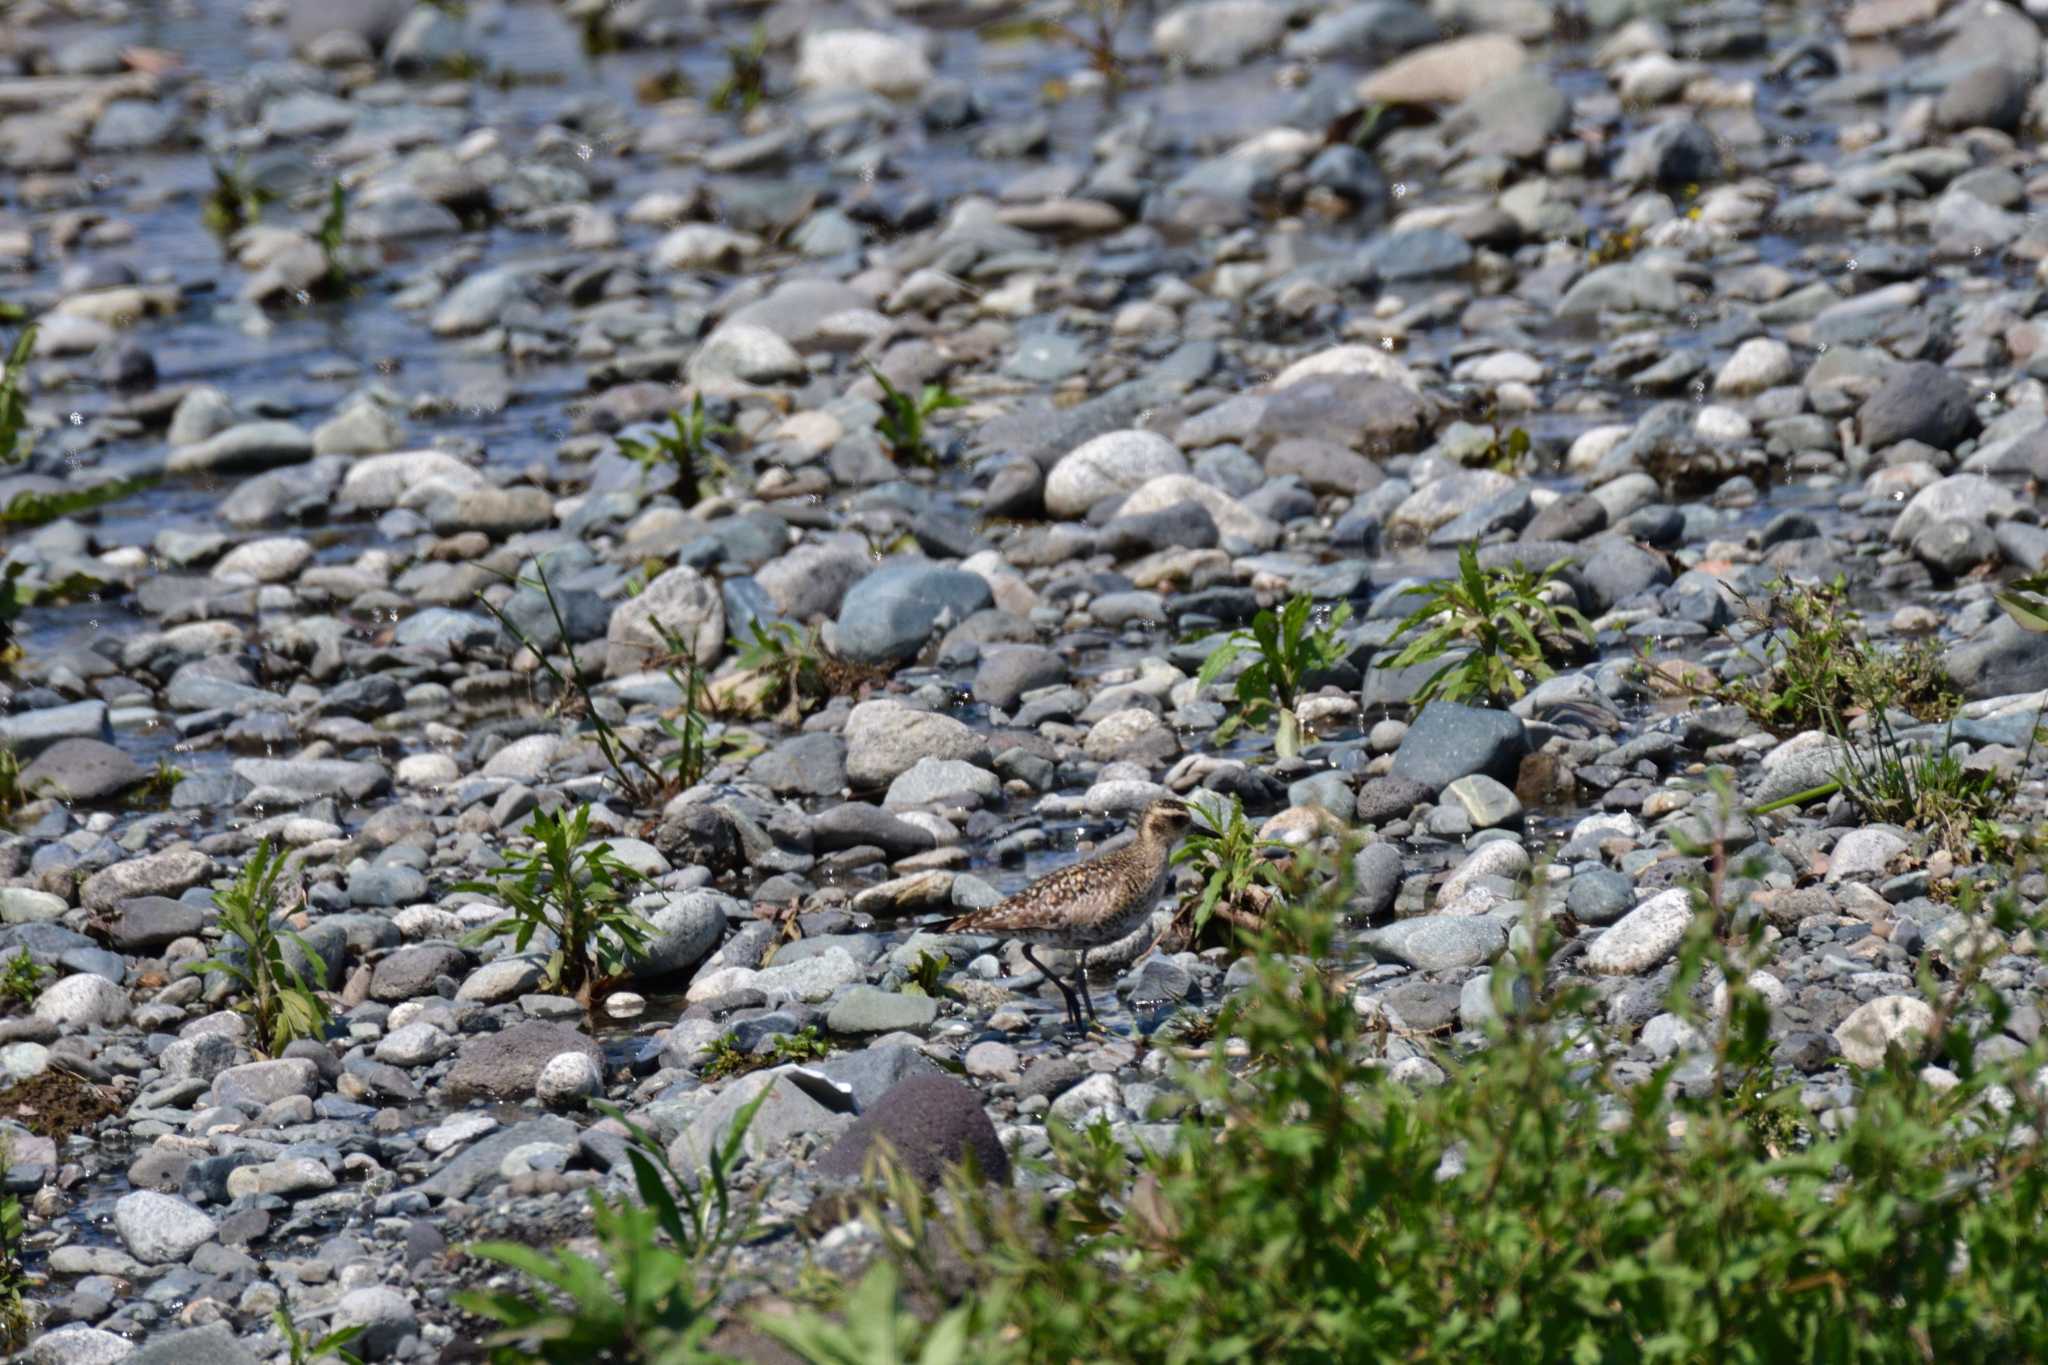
(1166, 820)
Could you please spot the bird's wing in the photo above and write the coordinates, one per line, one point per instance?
(1044, 902)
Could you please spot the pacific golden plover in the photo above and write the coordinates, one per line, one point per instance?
(1089, 904)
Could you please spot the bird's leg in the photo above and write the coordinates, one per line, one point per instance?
(1081, 984)
(1073, 1005)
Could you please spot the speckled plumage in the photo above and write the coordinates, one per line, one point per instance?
(1090, 903)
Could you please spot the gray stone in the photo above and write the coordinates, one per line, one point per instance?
(1114, 463)
(943, 782)
(1872, 1028)
(1391, 797)
(797, 1105)
(2000, 661)
(1623, 288)
(1674, 153)
(82, 1001)
(161, 1229)
(1007, 672)
(507, 1065)
(1645, 937)
(1438, 943)
(264, 1083)
(888, 616)
(1377, 871)
(1216, 35)
(300, 781)
(804, 765)
(869, 1009)
(1992, 95)
(249, 445)
(213, 1344)
(479, 301)
(1599, 897)
(30, 732)
(568, 1078)
(81, 770)
(411, 972)
(681, 603)
(1918, 402)
(168, 873)
(885, 739)
(1449, 740)
(1486, 802)
(687, 926)
(476, 1166)
(79, 1345)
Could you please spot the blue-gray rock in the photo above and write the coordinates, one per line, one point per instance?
(806, 765)
(476, 1165)
(1623, 288)
(248, 445)
(888, 616)
(1921, 402)
(411, 972)
(852, 824)
(1673, 153)
(1439, 943)
(687, 926)
(1417, 253)
(387, 885)
(1991, 95)
(1007, 672)
(1598, 896)
(213, 1344)
(30, 732)
(1450, 740)
(869, 1009)
(81, 770)
(1376, 871)
(874, 1071)
(1999, 661)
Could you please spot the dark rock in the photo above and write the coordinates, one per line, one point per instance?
(505, 1065)
(931, 1123)
(1007, 672)
(150, 922)
(410, 972)
(889, 615)
(1392, 797)
(1449, 741)
(1917, 402)
(81, 770)
(854, 823)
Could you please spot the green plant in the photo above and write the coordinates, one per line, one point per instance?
(646, 1300)
(12, 794)
(728, 1058)
(574, 891)
(235, 201)
(1502, 453)
(15, 1317)
(1548, 1201)
(690, 447)
(787, 664)
(1922, 789)
(16, 440)
(902, 423)
(21, 980)
(1819, 667)
(1499, 624)
(37, 509)
(1238, 878)
(332, 236)
(303, 1348)
(746, 75)
(1289, 645)
(156, 789)
(874, 1330)
(275, 994)
(926, 974)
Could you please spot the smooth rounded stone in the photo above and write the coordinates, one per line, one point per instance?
(457, 1130)
(1759, 363)
(568, 1078)
(479, 301)
(1801, 763)
(869, 1009)
(931, 1124)
(1007, 672)
(1921, 402)
(444, 629)
(1871, 1028)
(150, 922)
(1133, 735)
(1969, 498)
(1486, 803)
(80, 770)
(1599, 896)
(161, 1229)
(862, 59)
(687, 925)
(1330, 791)
(30, 732)
(811, 580)
(1444, 73)
(885, 739)
(22, 905)
(1477, 1008)
(744, 355)
(201, 1058)
(283, 1177)
(416, 1044)
(1990, 95)
(1497, 858)
(247, 445)
(82, 1001)
(524, 760)
(506, 1065)
(1670, 154)
(408, 478)
(1667, 1035)
(497, 983)
(854, 824)
(992, 1061)
(385, 1315)
(1438, 943)
(889, 616)
(2001, 660)
(386, 886)
(301, 781)
(1216, 35)
(264, 1083)
(79, 1345)
(1864, 853)
(803, 765)
(943, 782)
(1953, 548)
(1391, 797)
(1376, 870)
(1621, 288)
(360, 428)
(1449, 740)
(269, 560)
(201, 413)
(1643, 938)
(427, 772)
(1443, 500)
(1233, 519)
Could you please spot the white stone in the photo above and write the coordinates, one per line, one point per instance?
(1869, 1029)
(415, 1045)
(1644, 937)
(270, 560)
(160, 1229)
(567, 1078)
(1112, 463)
(862, 59)
(82, 1001)
(77, 1345)
(1758, 363)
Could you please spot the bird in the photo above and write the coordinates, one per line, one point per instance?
(1088, 904)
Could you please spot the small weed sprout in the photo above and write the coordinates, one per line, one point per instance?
(21, 980)
(301, 1348)
(924, 976)
(235, 201)
(15, 1318)
(1503, 621)
(332, 236)
(746, 76)
(902, 423)
(729, 1059)
(788, 667)
(652, 1293)
(575, 892)
(275, 994)
(30, 508)
(691, 447)
(16, 440)
(1288, 646)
